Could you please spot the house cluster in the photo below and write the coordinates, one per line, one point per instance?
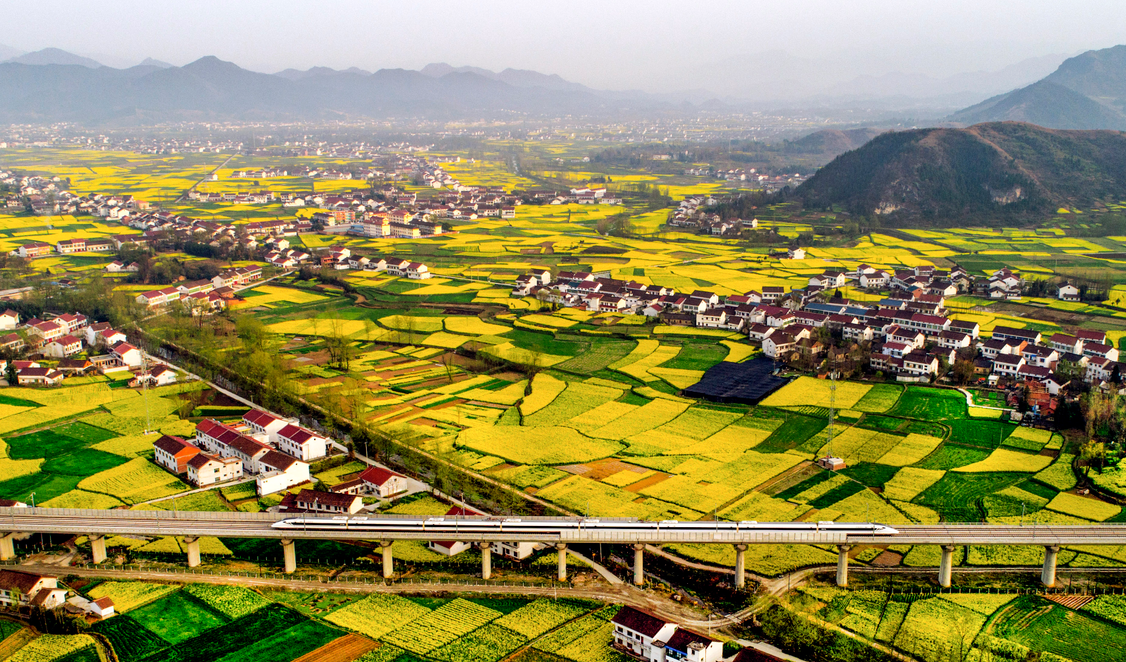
(766, 181)
(646, 636)
(276, 451)
(26, 589)
(909, 331)
(690, 215)
(342, 259)
(1002, 284)
(392, 212)
(45, 195)
(346, 498)
(203, 297)
(1027, 355)
(426, 169)
(262, 197)
(587, 196)
(65, 337)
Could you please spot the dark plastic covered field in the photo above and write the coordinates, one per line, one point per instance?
(742, 383)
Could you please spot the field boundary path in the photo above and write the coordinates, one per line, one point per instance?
(970, 402)
(204, 178)
(622, 594)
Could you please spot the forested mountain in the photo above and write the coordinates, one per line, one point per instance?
(988, 170)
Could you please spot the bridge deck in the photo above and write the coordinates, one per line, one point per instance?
(259, 525)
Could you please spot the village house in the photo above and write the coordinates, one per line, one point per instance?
(21, 589)
(39, 377)
(127, 354)
(263, 424)
(62, 347)
(1067, 292)
(301, 443)
(646, 636)
(383, 482)
(312, 501)
(279, 472)
(34, 249)
(204, 469)
(173, 453)
(9, 320)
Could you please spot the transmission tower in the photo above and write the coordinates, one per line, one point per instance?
(832, 408)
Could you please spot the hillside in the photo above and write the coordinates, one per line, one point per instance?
(1046, 104)
(831, 142)
(1087, 91)
(987, 170)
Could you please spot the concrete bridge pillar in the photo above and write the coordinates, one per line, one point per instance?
(638, 564)
(98, 547)
(486, 560)
(7, 546)
(388, 560)
(192, 547)
(842, 564)
(740, 565)
(289, 551)
(1048, 575)
(562, 549)
(945, 568)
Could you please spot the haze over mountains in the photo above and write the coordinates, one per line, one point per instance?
(1087, 91)
(762, 80)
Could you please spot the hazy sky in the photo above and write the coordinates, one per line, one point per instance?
(612, 44)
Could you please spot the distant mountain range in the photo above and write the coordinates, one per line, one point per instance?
(1086, 92)
(52, 85)
(946, 176)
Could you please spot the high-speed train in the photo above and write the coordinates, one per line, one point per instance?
(513, 525)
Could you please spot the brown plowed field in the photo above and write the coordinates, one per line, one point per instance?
(344, 649)
(1070, 601)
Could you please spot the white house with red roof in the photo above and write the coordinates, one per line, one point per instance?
(9, 320)
(637, 632)
(225, 441)
(417, 270)
(204, 469)
(645, 635)
(39, 376)
(25, 588)
(34, 249)
(280, 472)
(173, 453)
(263, 424)
(301, 443)
(383, 482)
(128, 354)
(47, 331)
(62, 347)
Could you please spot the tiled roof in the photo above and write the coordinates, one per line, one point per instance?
(638, 620)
